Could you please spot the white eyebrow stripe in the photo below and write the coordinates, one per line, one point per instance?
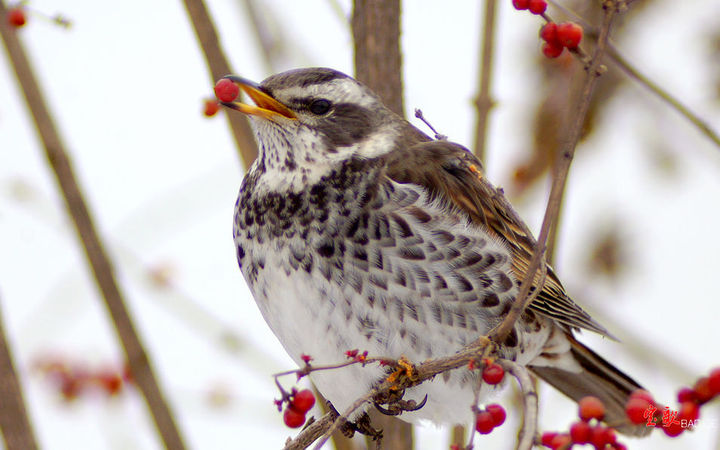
(341, 90)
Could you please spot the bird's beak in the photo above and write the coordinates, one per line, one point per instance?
(267, 107)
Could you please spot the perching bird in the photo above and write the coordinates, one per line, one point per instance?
(354, 229)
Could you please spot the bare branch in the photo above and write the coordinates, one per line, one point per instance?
(528, 427)
(94, 250)
(219, 67)
(378, 61)
(627, 68)
(594, 69)
(421, 373)
(484, 101)
(14, 421)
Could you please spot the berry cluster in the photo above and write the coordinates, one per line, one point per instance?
(16, 16)
(641, 408)
(226, 90)
(298, 404)
(356, 356)
(489, 418)
(587, 430)
(558, 37)
(534, 6)
(73, 380)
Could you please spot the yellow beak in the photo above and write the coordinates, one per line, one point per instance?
(267, 107)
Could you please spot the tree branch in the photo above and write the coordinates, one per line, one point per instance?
(378, 64)
(94, 251)
(484, 101)
(378, 61)
(594, 69)
(219, 67)
(14, 421)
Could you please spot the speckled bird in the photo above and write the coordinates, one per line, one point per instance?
(354, 229)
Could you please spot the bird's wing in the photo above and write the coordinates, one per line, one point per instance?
(454, 175)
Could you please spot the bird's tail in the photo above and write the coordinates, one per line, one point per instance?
(598, 378)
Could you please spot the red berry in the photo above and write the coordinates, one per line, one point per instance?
(211, 108)
(551, 50)
(591, 408)
(619, 446)
(498, 413)
(610, 436)
(548, 33)
(569, 34)
(714, 381)
(561, 441)
(689, 411)
(547, 438)
(673, 429)
(521, 4)
(110, 381)
(493, 373)
(293, 419)
(702, 390)
(303, 401)
(537, 6)
(686, 395)
(226, 90)
(599, 436)
(635, 409)
(484, 422)
(580, 432)
(643, 394)
(16, 17)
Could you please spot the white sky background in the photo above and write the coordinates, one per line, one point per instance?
(126, 84)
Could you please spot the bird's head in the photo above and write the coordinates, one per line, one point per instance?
(308, 121)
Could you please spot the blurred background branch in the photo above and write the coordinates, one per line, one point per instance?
(99, 261)
(219, 67)
(15, 424)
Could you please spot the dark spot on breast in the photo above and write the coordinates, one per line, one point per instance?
(440, 282)
(326, 249)
(436, 312)
(504, 282)
(400, 277)
(419, 214)
(360, 253)
(443, 237)
(412, 253)
(490, 299)
(463, 283)
(405, 230)
(378, 281)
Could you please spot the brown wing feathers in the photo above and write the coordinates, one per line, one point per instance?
(453, 174)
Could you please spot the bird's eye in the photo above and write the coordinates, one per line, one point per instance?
(319, 107)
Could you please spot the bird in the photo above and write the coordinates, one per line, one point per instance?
(355, 229)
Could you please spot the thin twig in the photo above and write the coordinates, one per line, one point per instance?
(484, 101)
(528, 426)
(15, 424)
(219, 67)
(635, 74)
(421, 373)
(594, 69)
(665, 96)
(101, 266)
(312, 432)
